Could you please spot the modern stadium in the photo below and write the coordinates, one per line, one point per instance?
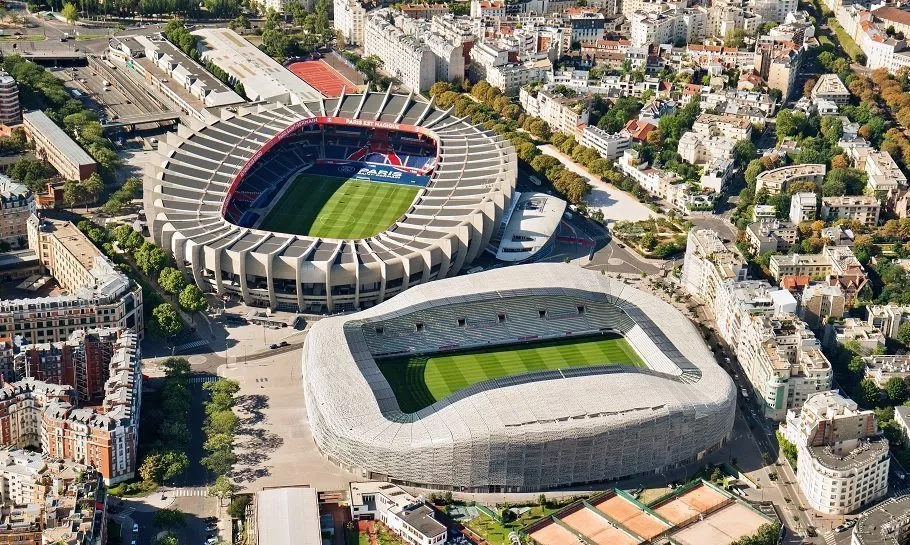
(517, 379)
(329, 206)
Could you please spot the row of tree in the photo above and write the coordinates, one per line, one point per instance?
(121, 198)
(220, 426)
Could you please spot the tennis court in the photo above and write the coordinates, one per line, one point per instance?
(322, 77)
(596, 528)
(690, 504)
(722, 527)
(631, 516)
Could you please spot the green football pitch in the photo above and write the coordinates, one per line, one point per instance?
(329, 207)
(420, 381)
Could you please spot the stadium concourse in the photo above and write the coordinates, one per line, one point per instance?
(573, 414)
(232, 199)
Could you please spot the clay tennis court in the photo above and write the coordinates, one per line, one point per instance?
(322, 77)
(597, 529)
(722, 527)
(553, 534)
(631, 516)
(690, 504)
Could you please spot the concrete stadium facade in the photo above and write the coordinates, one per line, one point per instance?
(520, 433)
(448, 225)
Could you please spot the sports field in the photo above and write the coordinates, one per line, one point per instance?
(330, 207)
(420, 381)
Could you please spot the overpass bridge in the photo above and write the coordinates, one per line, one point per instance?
(130, 121)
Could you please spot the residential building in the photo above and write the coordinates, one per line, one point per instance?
(842, 458)
(638, 130)
(884, 176)
(779, 179)
(104, 433)
(854, 330)
(10, 110)
(774, 10)
(17, 203)
(902, 418)
(404, 56)
(803, 206)
(562, 114)
(424, 11)
(730, 126)
(830, 87)
(57, 148)
(771, 236)
(511, 77)
(97, 293)
(348, 18)
(47, 501)
(669, 26)
(652, 180)
(820, 302)
(738, 102)
(778, 62)
(764, 212)
(492, 9)
(585, 24)
(409, 517)
(863, 209)
(883, 367)
(888, 318)
(609, 146)
(835, 265)
(888, 523)
(708, 263)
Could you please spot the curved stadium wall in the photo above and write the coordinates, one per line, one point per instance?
(191, 193)
(523, 432)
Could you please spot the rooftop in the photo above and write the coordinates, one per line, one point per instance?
(885, 524)
(288, 516)
(422, 518)
(866, 451)
(61, 140)
(829, 84)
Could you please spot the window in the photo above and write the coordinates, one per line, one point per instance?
(418, 327)
(379, 330)
(501, 318)
(461, 322)
(580, 309)
(542, 313)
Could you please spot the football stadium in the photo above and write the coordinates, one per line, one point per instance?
(516, 379)
(329, 206)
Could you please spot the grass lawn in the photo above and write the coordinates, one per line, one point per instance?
(329, 207)
(23, 38)
(498, 534)
(845, 40)
(420, 381)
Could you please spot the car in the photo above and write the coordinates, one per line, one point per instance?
(210, 519)
(211, 541)
(850, 523)
(273, 346)
(283, 344)
(840, 528)
(135, 528)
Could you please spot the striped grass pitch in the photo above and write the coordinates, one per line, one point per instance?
(329, 207)
(420, 381)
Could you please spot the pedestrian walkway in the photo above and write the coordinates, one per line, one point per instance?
(189, 491)
(199, 379)
(830, 537)
(189, 346)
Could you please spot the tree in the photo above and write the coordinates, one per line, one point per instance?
(170, 518)
(222, 422)
(173, 464)
(218, 441)
(150, 470)
(275, 43)
(70, 13)
(73, 193)
(168, 539)
(237, 508)
(171, 280)
(223, 488)
(897, 390)
(744, 152)
(222, 385)
(151, 259)
(192, 299)
(93, 187)
(868, 393)
(903, 334)
(219, 462)
(167, 320)
(176, 368)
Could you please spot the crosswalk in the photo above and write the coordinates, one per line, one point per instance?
(189, 346)
(830, 538)
(189, 491)
(199, 379)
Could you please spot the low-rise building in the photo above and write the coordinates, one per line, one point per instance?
(57, 148)
(830, 87)
(864, 209)
(854, 330)
(834, 264)
(562, 114)
(17, 203)
(803, 207)
(609, 146)
(98, 294)
(883, 367)
(888, 318)
(771, 236)
(888, 523)
(409, 517)
(779, 179)
(842, 458)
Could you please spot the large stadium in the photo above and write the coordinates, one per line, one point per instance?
(516, 379)
(329, 206)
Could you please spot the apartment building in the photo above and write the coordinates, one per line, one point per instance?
(404, 56)
(409, 517)
(835, 265)
(654, 181)
(884, 177)
(10, 110)
(609, 146)
(821, 302)
(830, 87)
(771, 236)
(17, 203)
(585, 24)
(862, 208)
(46, 415)
(511, 77)
(732, 101)
(57, 148)
(888, 318)
(669, 26)
(853, 330)
(709, 263)
(563, 114)
(773, 10)
(98, 294)
(737, 301)
(883, 367)
(778, 62)
(842, 458)
(892, 514)
(348, 18)
(803, 205)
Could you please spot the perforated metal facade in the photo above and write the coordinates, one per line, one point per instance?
(526, 432)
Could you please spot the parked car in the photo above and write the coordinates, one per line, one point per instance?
(273, 346)
(135, 528)
(283, 343)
